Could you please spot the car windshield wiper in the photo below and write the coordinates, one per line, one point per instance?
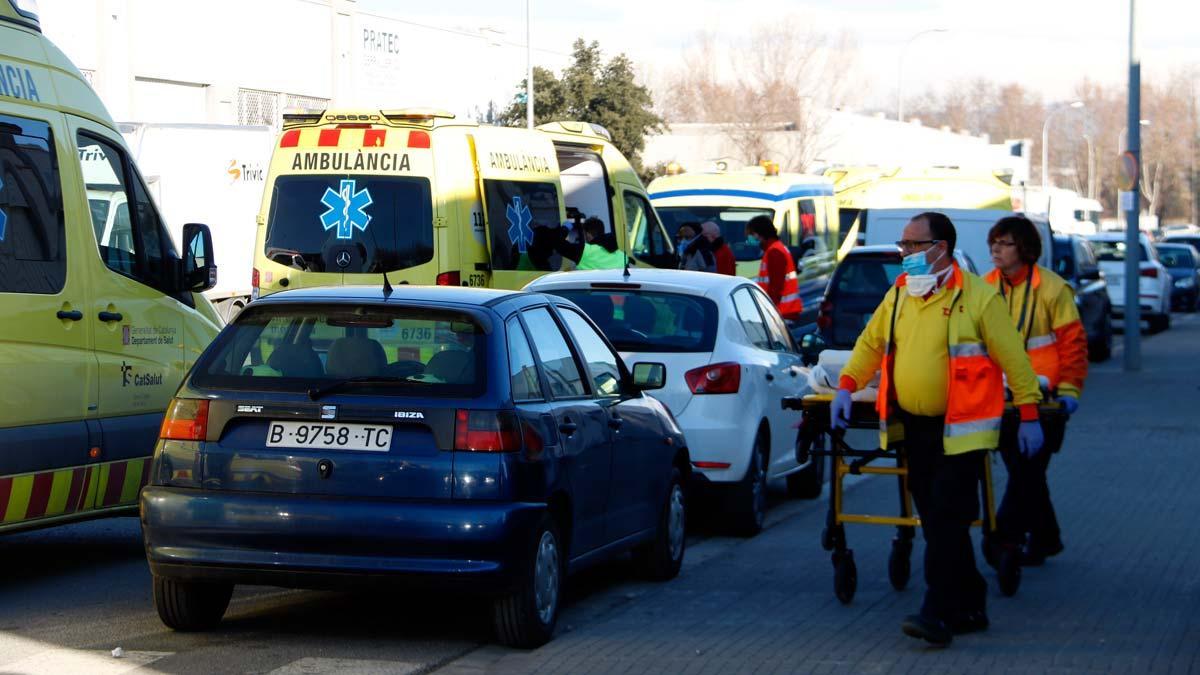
(317, 392)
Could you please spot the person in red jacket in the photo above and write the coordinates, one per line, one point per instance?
(776, 271)
(726, 264)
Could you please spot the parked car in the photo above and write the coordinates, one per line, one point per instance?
(731, 361)
(480, 439)
(1075, 261)
(1154, 282)
(857, 287)
(1181, 261)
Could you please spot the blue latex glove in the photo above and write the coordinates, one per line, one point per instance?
(1069, 403)
(1029, 438)
(839, 410)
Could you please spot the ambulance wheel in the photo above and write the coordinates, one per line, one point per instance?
(1008, 572)
(899, 563)
(845, 576)
(190, 606)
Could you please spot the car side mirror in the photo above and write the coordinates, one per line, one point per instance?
(649, 376)
(199, 267)
(811, 346)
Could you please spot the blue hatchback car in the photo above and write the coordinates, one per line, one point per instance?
(331, 438)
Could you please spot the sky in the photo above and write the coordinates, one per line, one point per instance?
(1047, 45)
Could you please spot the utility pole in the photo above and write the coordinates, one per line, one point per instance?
(1133, 247)
(528, 70)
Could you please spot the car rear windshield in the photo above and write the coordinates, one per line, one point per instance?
(350, 223)
(420, 351)
(867, 276)
(1109, 251)
(636, 321)
(1176, 257)
(732, 221)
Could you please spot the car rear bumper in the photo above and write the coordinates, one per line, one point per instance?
(324, 542)
(718, 433)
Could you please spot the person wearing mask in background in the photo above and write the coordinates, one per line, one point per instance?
(776, 270)
(726, 263)
(695, 252)
(940, 340)
(598, 251)
(1042, 306)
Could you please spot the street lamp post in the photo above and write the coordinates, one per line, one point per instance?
(900, 74)
(1046, 143)
(1133, 248)
(1124, 131)
(528, 70)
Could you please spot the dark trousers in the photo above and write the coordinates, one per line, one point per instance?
(945, 489)
(1026, 508)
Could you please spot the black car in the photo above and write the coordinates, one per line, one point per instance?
(1075, 261)
(450, 437)
(1181, 261)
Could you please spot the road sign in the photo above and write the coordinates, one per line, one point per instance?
(1129, 171)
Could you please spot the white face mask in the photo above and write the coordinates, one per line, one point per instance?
(920, 285)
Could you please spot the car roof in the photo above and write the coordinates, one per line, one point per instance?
(458, 295)
(1173, 245)
(1114, 236)
(873, 248)
(672, 281)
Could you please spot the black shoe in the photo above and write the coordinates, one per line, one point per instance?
(972, 622)
(931, 631)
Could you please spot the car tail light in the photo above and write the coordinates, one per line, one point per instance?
(718, 378)
(825, 315)
(1151, 272)
(186, 420)
(449, 279)
(486, 431)
(711, 465)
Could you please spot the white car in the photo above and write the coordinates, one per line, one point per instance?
(1154, 280)
(730, 361)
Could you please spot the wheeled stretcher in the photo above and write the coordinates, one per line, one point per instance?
(817, 440)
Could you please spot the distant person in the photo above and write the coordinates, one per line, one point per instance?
(726, 263)
(776, 270)
(695, 252)
(598, 251)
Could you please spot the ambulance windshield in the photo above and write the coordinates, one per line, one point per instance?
(354, 224)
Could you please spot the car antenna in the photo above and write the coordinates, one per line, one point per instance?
(387, 286)
(626, 273)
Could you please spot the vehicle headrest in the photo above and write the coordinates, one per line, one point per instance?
(640, 313)
(355, 357)
(599, 306)
(295, 360)
(453, 366)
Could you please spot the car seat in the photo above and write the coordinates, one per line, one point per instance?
(355, 356)
(453, 366)
(596, 305)
(640, 314)
(296, 359)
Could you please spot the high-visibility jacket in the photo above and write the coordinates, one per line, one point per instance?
(981, 342)
(1042, 306)
(596, 257)
(785, 295)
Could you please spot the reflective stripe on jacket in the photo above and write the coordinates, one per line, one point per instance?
(981, 342)
(1042, 306)
(786, 298)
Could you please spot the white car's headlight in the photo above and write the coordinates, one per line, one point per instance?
(1187, 282)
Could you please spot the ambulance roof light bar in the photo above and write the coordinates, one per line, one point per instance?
(299, 116)
(578, 128)
(405, 114)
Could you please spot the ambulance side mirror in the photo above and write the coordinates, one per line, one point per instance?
(199, 267)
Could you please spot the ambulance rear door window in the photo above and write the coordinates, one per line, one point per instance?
(522, 217)
(32, 232)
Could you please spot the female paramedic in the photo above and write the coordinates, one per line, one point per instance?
(1042, 305)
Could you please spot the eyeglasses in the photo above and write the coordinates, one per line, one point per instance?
(913, 244)
(1005, 244)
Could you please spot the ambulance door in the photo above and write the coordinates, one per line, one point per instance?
(648, 242)
(47, 370)
(136, 315)
(522, 203)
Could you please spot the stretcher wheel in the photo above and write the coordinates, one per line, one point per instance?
(1008, 571)
(899, 563)
(845, 576)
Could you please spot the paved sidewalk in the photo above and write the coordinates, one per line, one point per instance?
(1123, 597)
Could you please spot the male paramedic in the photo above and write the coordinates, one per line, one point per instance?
(1042, 306)
(940, 340)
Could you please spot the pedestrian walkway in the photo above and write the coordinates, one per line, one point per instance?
(1123, 597)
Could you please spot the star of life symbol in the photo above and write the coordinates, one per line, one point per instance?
(346, 209)
(519, 218)
(3, 216)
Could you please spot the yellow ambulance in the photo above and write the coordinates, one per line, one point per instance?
(102, 317)
(801, 206)
(429, 199)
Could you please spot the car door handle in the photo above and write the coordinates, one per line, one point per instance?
(72, 315)
(567, 427)
(615, 422)
(110, 316)
(793, 372)
(770, 377)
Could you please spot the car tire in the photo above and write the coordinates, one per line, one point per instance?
(525, 618)
(1101, 350)
(661, 558)
(750, 495)
(1159, 322)
(808, 482)
(188, 606)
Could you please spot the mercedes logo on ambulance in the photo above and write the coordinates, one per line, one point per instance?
(343, 259)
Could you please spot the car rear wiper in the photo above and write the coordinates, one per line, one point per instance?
(317, 392)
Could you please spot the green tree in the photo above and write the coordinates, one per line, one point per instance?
(590, 90)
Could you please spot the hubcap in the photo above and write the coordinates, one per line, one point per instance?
(676, 522)
(545, 577)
